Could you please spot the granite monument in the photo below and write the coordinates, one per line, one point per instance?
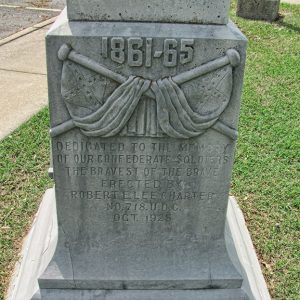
(144, 119)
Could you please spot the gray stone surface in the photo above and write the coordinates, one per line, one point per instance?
(171, 11)
(227, 294)
(41, 241)
(258, 9)
(144, 122)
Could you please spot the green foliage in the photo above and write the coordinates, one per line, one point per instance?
(24, 160)
(266, 173)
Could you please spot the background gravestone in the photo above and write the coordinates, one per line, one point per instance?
(144, 123)
(258, 9)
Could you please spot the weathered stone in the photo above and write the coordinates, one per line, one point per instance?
(144, 122)
(258, 9)
(214, 294)
(40, 244)
(171, 11)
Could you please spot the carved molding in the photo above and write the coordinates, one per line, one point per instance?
(161, 107)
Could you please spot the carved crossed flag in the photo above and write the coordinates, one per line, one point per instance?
(107, 114)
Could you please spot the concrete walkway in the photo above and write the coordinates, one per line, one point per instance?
(23, 81)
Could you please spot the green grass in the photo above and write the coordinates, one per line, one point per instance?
(266, 176)
(24, 160)
(266, 173)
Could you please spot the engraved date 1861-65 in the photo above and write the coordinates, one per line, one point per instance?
(139, 51)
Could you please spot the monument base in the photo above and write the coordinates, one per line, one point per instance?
(224, 294)
(41, 242)
(212, 268)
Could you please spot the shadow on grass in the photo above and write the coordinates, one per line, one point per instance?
(289, 26)
(280, 22)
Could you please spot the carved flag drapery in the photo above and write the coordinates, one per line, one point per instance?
(100, 108)
(175, 115)
(110, 118)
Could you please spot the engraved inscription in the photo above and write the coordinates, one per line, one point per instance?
(117, 50)
(138, 51)
(145, 182)
(127, 105)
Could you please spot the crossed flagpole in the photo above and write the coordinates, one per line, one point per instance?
(66, 52)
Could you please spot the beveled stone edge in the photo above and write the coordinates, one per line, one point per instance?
(213, 294)
(237, 231)
(171, 285)
(34, 256)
